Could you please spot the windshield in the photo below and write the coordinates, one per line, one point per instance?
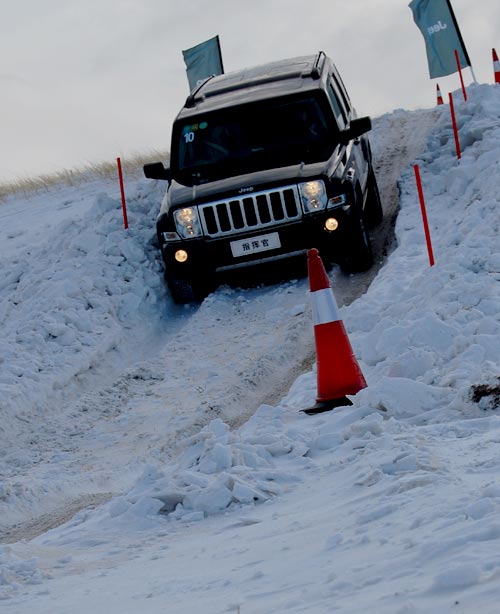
(249, 138)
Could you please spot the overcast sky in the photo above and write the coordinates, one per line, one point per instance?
(87, 81)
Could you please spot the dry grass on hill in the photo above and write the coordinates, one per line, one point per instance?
(131, 166)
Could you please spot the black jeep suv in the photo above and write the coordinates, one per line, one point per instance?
(265, 164)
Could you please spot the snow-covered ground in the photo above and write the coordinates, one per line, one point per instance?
(198, 485)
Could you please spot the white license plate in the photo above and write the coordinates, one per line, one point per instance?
(243, 247)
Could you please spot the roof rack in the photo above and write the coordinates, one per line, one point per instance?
(190, 100)
(316, 69)
(223, 87)
(253, 82)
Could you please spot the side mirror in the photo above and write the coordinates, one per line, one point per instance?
(356, 128)
(156, 170)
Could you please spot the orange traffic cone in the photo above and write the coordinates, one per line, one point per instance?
(496, 66)
(338, 371)
(439, 97)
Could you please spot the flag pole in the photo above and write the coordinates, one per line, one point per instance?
(459, 34)
(220, 55)
(473, 75)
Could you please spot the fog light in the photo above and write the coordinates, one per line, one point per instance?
(181, 255)
(331, 224)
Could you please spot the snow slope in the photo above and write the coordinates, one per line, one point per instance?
(110, 336)
(387, 506)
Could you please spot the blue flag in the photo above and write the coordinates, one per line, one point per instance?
(436, 20)
(202, 61)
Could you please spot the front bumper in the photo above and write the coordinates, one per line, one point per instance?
(209, 256)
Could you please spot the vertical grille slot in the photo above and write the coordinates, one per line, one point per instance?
(210, 221)
(277, 206)
(263, 209)
(249, 209)
(290, 203)
(223, 217)
(250, 212)
(236, 214)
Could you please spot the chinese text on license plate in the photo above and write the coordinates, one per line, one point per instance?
(255, 244)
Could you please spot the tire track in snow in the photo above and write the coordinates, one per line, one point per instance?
(238, 350)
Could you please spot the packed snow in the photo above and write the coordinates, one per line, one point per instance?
(150, 461)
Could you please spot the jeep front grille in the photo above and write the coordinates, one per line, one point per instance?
(250, 211)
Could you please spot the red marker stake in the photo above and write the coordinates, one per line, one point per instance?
(454, 122)
(424, 214)
(460, 73)
(124, 205)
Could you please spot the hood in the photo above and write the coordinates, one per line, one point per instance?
(179, 195)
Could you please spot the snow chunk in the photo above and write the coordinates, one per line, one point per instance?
(459, 577)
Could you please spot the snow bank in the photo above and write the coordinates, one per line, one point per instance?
(67, 299)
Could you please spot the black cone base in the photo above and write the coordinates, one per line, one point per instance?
(322, 406)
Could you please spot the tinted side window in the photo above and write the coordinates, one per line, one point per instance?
(341, 88)
(338, 108)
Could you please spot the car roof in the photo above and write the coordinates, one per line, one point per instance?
(270, 80)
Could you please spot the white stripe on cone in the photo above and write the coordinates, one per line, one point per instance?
(324, 307)
(496, 70)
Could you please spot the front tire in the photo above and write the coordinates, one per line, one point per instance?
(185, 291)
(374, 213)
(357, 254)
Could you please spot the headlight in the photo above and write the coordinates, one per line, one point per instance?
(313, 196)
(187, 222)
